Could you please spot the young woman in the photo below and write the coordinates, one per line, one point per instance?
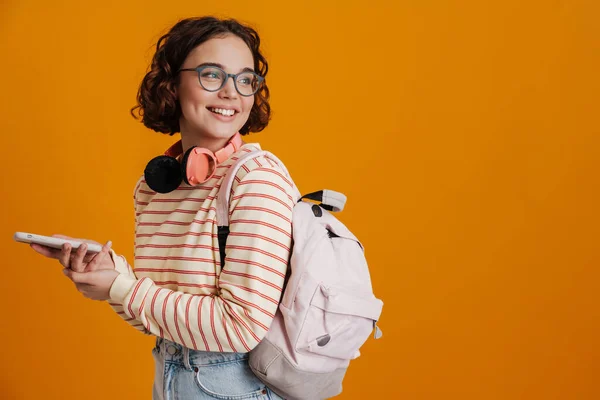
(206, 81)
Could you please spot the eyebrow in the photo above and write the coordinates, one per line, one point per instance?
(213, 64)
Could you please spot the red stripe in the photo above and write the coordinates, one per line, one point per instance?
(257, 250)
(152, 311)
(241, 321)
(206, 347)
(177, 223)
(252, 305)
(179, 189)
(263, 209)
(184, 284)
(135, 290)
(194, 259)
(199, 187)
(239, 335)
(227, 333)
(237, 331)
(253, 277)
(254, 235)
(195, 199)
(175, 315)
(176, 271)
(258, 222)
(262, 182)
(248, 262)
(187, 321)
(256, 292)
(276, 172)
(214, 235)
(140, 310)
(255, 321)
(245, 168)
(177, 211)
(190, 187)
(176, 246)
(164, 314)
(212, 322)
(264, 196)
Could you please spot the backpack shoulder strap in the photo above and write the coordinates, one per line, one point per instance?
(225, 191)
(329, 199)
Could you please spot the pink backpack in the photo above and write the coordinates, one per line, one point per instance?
(327, 310)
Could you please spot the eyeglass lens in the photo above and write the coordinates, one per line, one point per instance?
(212, 78)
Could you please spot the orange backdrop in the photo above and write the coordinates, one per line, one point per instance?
(465, 134)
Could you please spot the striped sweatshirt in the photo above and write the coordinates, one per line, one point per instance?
(177, 288)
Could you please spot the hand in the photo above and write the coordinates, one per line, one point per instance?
(80, 260)
(94, 285)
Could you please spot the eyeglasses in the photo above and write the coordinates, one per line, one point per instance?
(213, 79)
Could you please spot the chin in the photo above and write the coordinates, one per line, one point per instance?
(224, 133)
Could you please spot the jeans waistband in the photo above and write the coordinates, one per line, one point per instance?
(176, 353)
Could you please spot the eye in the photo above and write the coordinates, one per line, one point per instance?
(247, 79)
(210, 75)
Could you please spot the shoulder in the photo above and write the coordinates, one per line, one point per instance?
(260, 171)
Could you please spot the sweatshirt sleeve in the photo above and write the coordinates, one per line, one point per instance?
(249, 286)
(123, 267)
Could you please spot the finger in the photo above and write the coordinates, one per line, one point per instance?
(79, 278)
(88, 257)
(65, 255)
(95, 263)
(77, 259)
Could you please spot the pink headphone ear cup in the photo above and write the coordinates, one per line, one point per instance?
(198, 165)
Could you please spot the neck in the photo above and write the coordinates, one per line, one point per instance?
(212, 144)
(191, 138)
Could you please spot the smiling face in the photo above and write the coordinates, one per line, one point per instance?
(211, 118)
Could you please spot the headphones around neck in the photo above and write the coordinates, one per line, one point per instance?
(164, 173)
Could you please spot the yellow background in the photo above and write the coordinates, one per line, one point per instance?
(465, 134)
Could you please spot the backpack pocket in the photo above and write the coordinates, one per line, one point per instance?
(338, 323)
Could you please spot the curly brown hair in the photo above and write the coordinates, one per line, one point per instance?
(158, 106)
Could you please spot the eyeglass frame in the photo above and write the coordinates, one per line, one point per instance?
(261, 79)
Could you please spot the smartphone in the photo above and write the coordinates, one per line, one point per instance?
(53, 242)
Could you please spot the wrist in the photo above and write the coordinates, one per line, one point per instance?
(119, 263)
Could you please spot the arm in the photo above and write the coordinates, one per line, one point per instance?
(249, 286)
(123, 267)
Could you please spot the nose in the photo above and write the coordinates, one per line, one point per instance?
(228, 90)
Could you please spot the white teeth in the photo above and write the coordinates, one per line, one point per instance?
(223, 111)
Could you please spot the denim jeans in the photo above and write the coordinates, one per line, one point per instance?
(186, 374)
